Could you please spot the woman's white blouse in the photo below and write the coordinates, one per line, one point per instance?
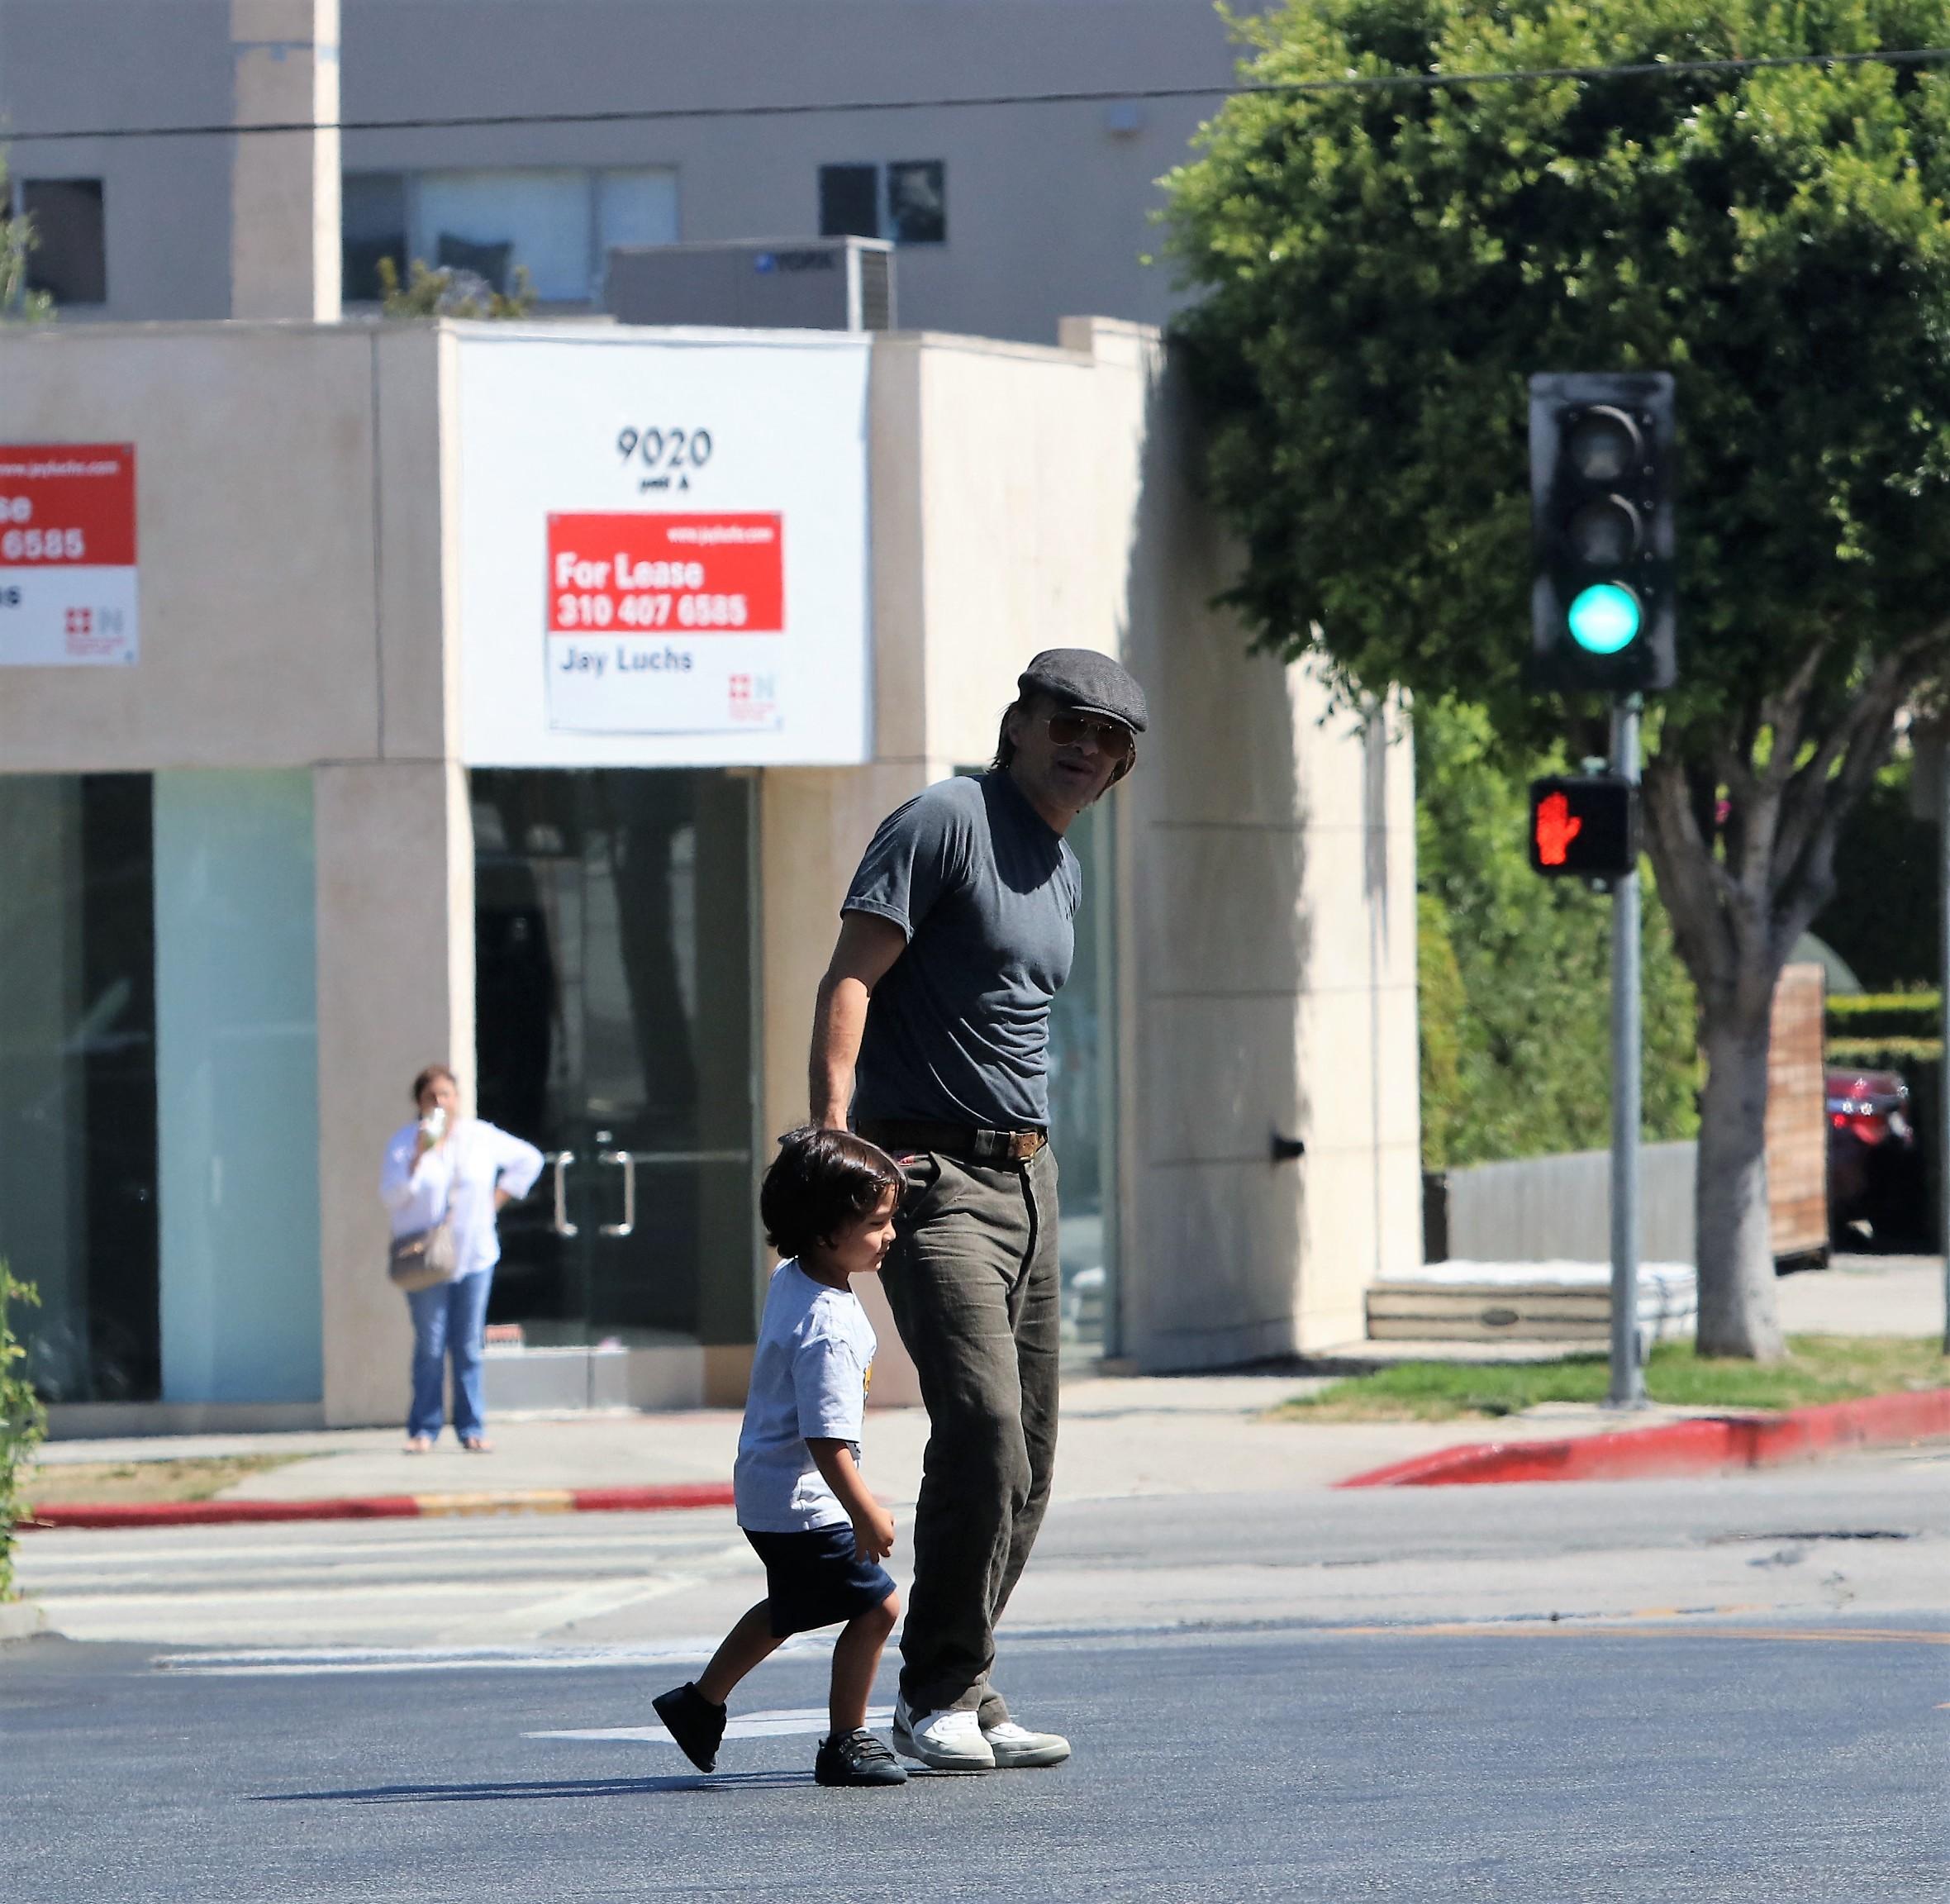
(463, 1175)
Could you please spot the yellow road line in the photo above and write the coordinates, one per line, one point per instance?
(525, 1501)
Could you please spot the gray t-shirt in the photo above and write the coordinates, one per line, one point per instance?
(987, 892)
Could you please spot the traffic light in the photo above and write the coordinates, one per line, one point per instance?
(1586, 826)
(1601, 468)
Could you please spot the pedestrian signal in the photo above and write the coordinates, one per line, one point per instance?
(1602, 607)
(1587, 826)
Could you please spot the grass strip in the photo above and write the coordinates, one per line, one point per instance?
(1817, 1368)
(94, 1481)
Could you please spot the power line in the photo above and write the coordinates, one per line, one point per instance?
(1349, 82)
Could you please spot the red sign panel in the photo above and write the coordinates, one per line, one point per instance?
(675, 576)
(68, 576)
(68, 503)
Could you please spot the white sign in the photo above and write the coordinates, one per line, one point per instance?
(66, 554)
(663, 547)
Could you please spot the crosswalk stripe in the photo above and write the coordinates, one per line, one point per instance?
(300, 1662)
(418, 1588)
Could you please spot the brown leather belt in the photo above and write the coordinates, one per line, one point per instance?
(965, 1141)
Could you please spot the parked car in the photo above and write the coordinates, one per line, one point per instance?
(1875, 1172)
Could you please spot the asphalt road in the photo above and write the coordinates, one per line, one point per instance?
(1744, 1694)
(1478, 1762)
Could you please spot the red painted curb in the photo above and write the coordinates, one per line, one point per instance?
(676, 1494)
(1705, 1445)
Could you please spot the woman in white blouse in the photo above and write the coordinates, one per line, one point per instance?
(445, 1164)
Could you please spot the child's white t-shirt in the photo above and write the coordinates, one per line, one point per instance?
(809, 1378)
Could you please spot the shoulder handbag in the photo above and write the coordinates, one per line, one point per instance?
(424, 1257)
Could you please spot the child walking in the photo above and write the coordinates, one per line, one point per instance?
(828, 1203)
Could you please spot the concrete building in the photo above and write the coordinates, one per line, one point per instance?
(523, 695)
(312, 787)
(1007, 215)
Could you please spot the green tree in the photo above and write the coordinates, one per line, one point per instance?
(1380, 269)
(448, 293)
(18, 303)
(1516, 1047)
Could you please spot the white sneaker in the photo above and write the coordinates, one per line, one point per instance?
(950, 1741)
(1015, 1745)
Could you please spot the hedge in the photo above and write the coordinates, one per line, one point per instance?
(1882, 1053)
(1884, 1015)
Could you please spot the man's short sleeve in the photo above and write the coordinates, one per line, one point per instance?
(830, 1388)
(920, 851)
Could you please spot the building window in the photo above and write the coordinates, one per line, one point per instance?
(69, 260)
(558, 225)
(372, 220)
(917, 202)
(637, 207)
(907, 201)
(849, 201)
(488, 222)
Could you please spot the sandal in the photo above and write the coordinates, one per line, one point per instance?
(418, 1444)
(477, 1444)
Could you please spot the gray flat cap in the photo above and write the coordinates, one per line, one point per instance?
(1091, 683)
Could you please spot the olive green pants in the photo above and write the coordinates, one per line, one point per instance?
(972, 1282)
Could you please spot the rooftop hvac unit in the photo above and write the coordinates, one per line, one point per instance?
(801, 284)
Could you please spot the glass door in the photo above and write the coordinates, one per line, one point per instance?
(1083, 1100)
(77, 1081)
(613, 998)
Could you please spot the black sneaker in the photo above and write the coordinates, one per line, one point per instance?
(697, 1725)
(857, 1758)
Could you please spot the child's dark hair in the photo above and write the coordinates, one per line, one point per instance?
(821, 1181)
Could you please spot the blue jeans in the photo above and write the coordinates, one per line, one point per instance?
(448, 1320)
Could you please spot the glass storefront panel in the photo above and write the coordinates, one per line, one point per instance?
(614, 1006)
(78, 1115)
(237, 1086)
(1082, 1102)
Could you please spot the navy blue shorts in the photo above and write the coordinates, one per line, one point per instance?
(814, 1578)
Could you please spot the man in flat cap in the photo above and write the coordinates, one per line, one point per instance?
(933, 1027)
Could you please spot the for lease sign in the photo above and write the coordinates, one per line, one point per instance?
(662, 547)
(667, 620)
(66, 554)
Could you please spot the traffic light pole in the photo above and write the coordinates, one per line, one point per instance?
(1627, 1379)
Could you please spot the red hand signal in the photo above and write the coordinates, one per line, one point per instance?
(1556, 829)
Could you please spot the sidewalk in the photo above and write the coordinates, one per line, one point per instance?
(1121, 1436)
(1189, 1435)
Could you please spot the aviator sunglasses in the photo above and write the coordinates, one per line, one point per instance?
(1070, 729)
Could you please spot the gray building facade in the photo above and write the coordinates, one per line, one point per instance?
(1006, 216)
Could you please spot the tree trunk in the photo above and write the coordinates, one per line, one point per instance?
(1741, 819)
(1737, 1313)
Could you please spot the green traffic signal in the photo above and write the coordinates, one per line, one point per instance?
(1604, 578)
(1604, 618)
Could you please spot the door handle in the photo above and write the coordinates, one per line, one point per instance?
(561, 1159)
(629, 1166)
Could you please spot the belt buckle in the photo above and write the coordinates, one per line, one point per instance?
(1024, 1145)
